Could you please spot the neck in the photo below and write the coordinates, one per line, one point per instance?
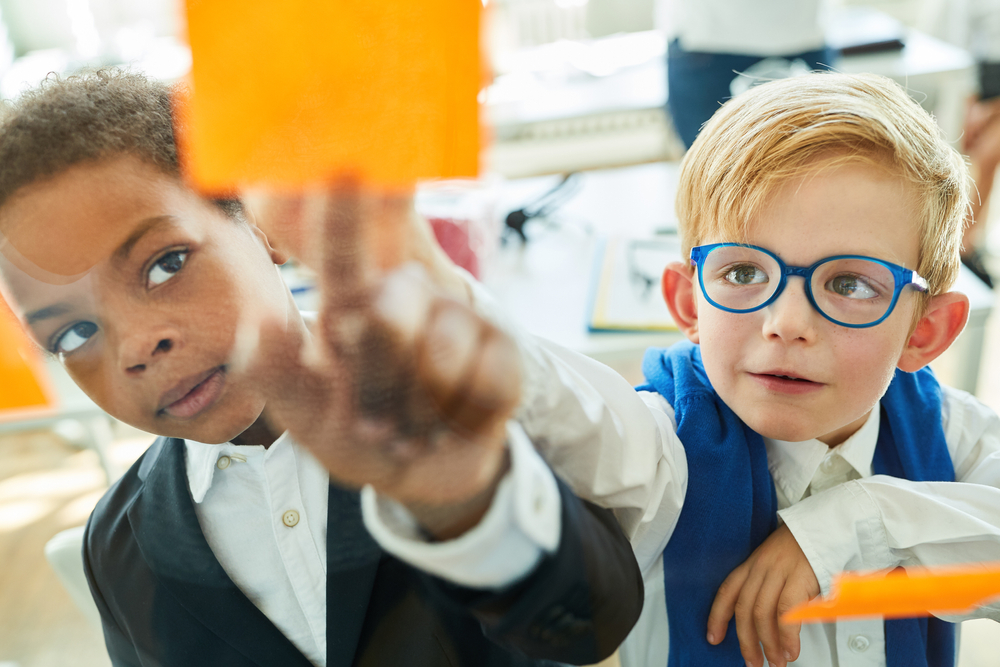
(258, 433)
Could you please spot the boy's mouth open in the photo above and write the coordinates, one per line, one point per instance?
(193, 394)
(785, 383)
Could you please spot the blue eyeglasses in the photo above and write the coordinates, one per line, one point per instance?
(849, 290)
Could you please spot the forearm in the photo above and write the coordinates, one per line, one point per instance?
(882, 522)
(577, 605)
(599, 435)
(546, 574)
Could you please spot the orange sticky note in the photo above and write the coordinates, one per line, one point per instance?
(299, 92)
(899, 594)
(21, 375)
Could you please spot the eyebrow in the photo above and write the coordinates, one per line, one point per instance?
(122, 253)
(47, 313)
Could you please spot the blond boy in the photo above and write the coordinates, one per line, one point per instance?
(796, 434)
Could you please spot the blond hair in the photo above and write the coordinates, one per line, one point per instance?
(779, 129)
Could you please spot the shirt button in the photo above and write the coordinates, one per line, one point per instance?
(290, 518)
(223, 462)
(859, 643)
(827, 465)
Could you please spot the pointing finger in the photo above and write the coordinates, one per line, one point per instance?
(343, 262)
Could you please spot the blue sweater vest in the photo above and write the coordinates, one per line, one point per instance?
(730, 506)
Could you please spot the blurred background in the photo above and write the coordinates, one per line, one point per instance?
(589, 106)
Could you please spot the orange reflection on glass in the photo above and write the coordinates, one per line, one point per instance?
(903, 594)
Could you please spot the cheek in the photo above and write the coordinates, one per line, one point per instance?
(96, 376)
(866, 363)
(723, 335)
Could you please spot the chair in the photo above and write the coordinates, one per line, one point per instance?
(65, 554)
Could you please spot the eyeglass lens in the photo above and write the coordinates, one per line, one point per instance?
(852, 291)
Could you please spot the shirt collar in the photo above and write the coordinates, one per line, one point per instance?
(794, 464)
(202, 461)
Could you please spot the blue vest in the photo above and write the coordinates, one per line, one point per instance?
(730, 506)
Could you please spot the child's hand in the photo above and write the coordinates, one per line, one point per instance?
(402, 387)
(776, 577)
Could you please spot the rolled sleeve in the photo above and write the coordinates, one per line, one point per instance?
(839, 529)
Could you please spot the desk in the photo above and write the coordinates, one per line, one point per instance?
(546, 286)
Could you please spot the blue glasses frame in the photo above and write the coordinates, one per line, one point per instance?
(901, 278)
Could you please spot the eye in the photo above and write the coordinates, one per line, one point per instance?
(166, 267)
(852, 287)
(745, 274)
(72, 338)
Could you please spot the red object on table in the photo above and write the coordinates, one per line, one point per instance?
(456, 241)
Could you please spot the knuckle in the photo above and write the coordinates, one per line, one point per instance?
(761, 612)
(743, 607)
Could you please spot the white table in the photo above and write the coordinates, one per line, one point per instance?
(546, 286)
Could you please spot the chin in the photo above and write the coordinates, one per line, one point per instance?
(218, 426)
(782, 428)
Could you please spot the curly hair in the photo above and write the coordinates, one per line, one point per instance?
(88, 117)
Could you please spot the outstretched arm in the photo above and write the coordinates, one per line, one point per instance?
(579, 602)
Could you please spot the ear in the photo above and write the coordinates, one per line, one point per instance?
(943, 320)
(680, 294)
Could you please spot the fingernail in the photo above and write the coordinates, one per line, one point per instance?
(788, 656)
(711, 638)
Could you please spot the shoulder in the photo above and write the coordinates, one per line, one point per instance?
(108, 530)
(971, 429)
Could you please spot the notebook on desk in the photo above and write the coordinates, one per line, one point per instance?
(625, 295)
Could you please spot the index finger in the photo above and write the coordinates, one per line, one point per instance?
(364, 234)
(342, 255)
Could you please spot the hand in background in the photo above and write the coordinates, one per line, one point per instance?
(981, 142)
(402, 386)
(776, 577)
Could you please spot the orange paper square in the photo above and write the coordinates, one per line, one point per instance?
(21, 375)
(299, 92)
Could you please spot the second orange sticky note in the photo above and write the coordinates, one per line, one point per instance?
(899, 594)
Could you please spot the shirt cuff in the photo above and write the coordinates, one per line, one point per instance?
(838, 530)
(522, 524)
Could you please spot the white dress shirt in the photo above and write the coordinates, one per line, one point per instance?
(619, 449)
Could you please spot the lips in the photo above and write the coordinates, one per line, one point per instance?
(193, 394)
(785, 382)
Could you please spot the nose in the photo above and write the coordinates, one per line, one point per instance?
(791, 316)
(143, 346)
